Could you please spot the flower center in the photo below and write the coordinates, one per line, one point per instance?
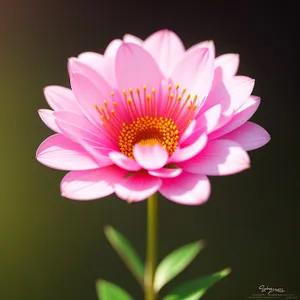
(146, 118)
(149, 131)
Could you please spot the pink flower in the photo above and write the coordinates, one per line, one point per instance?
(150, 116)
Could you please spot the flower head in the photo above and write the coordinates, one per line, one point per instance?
(150, 116)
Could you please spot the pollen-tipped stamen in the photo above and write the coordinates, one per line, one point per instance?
(149, 123)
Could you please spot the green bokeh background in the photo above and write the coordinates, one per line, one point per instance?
(54, 248)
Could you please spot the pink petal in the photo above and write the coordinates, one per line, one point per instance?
(188, 132)
(91, 58)
(166, 173)
(240, 89)
(92, 184)
(195, 72)
(60, 153)
(99, 154)
(150, 157)
(77, 66)
(110, 59)
(105, 66)
(112, 48)
(123, 161)
(218, 94)
(61, 98)
(88, 95)
(191, 147)
(231, 94)
(225, 118)
(209, 119)
(167, 49)
(77, 127)
(186, 189)
(204, 44)
(135, 67)
(129, 38)
(219, 157)
(47, 117)
(94, 60)
(226, 65)
(137, 187)
(250, 136)
(243, 114)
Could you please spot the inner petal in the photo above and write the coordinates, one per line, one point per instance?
(150, 156)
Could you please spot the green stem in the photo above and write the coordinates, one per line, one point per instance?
(151, 248)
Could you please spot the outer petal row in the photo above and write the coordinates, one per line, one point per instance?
(60, 153)
(219, 157)
(91, 184)
(61, 98)
(187, 189)
(243, 114)
(250, 136)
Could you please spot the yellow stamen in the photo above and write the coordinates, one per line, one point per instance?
(142, 121)
(149, 131)
(124, 94)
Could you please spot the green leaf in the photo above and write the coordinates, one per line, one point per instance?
(195, 289)
(176, 262)
(110, 291)
(126, 252)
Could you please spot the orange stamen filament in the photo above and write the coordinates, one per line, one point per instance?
(141, 120)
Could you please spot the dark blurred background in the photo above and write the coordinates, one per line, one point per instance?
(52, 248)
